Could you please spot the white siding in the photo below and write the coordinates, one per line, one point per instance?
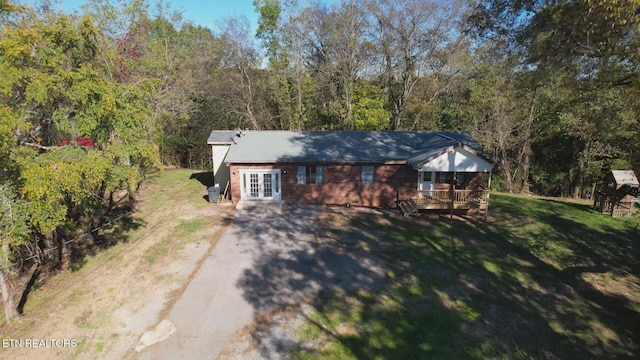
(458, 159)
(220, 171)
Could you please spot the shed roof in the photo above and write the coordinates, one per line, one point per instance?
(625, 177)
(414, 147)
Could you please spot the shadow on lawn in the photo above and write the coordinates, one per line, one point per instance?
(540, 269)
(115, 229)
(515, 287)
(205, 178)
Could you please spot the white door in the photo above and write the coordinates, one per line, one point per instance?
(260, 184)
(426, 180)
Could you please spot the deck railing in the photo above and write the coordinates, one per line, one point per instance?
(457, 197)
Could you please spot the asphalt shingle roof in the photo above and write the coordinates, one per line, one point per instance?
(415, 147)
(221, 136)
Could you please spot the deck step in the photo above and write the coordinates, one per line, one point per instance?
(408, 207)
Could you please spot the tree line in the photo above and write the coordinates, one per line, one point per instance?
(549, 89)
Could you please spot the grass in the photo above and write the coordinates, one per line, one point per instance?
(180, 235)
(169, 213)
(541, 279)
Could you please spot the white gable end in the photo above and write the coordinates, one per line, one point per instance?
(458, 159)
(220, 172)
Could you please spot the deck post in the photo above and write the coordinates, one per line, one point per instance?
(452, 197)
(486, 211)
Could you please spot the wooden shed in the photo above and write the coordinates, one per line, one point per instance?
(618, 194)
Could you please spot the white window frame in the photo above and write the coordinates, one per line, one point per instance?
(460, 175)
(306, 176)
(445, 175)
(302, 174)
(368, 174)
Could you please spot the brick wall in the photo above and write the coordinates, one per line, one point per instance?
(342, 184)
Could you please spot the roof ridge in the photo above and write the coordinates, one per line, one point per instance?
(445, 136)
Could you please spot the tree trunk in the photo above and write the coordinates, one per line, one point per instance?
(50, 257)
(10, 311)
(525, 154)
(504, 159)
(508, 175)
(65, 253)
(348, 117)
(577, 191)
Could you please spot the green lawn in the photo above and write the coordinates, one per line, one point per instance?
(541, 279)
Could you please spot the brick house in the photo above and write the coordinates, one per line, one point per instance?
(365, 168)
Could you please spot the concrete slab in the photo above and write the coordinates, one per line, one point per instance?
(161, 332)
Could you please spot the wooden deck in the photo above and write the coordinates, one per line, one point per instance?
(446, 200)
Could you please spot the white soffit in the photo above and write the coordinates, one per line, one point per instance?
(458, 159)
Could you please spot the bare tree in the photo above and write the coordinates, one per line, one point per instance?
(282, 30)
(415, 39)
(243, 60)
(337, 49)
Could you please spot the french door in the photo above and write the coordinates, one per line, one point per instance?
(261, 184)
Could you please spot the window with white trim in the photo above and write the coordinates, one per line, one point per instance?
(445, 177)
(311, 174)
(368, 174)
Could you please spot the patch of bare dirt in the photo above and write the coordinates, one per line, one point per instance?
(271, 336)
(619, 286)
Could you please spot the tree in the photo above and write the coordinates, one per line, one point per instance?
(598, 76)
(337, 51)
(415, 39)
(13, 214)
(13, 233)
(369, 112)
(240, 79)
(54, 91)
(282, 30)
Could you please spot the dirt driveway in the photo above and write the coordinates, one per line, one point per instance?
(268, 259)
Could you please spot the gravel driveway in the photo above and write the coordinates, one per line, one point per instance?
(269, 257)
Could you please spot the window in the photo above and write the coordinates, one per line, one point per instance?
(460, 179)
(445, 177)
(426, 176)
(367, 174)
(310, 174)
